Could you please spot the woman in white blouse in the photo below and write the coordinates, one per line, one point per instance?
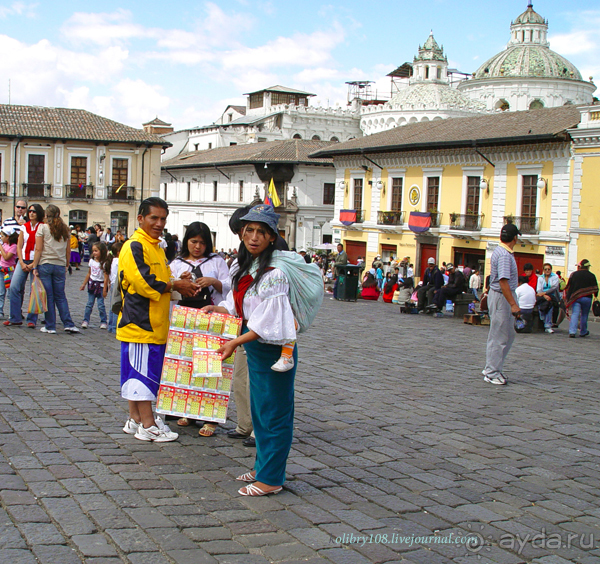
(261, 296)
(212, 275)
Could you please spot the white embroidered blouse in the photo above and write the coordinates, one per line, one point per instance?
(216, 267)
(267, 309)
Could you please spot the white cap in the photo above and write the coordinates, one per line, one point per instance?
(430, 260)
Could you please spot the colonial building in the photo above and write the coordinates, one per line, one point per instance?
(94, 169)
(465, 178)
(528, 75)
(272, 114)
(209, 185)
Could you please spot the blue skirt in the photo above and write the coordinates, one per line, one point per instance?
(272, 407)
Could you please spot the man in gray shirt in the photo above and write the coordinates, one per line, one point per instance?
(340, 261)
(502, 304)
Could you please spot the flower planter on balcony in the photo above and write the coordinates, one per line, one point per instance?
(77, 192)
(526, 225)
(390, 217)
(37, 191)
(466, 221)
(121, 193)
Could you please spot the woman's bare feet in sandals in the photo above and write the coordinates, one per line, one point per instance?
(207, 430)
(259, 489)
(183, 422)
(247, 477)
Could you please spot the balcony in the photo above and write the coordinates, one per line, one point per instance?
(360, 216)
(77, 192)
(526, 225)
(37, 191)
(121, 193)
(3, 189)
(436, 219)
(390, 217)
(466, 221)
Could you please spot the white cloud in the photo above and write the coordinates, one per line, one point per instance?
(575, 43)
(138, 101)
(18, 9)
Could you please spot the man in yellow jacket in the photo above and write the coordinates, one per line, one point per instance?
(143, 323)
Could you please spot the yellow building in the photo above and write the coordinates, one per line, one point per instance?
(94, 169)
(467, 177)
(585, 210)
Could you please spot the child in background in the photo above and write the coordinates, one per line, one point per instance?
(526, 299)
(8, 260)
(475, 283)
(95, 281)
(111, 267)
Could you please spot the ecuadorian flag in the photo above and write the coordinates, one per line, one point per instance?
(272, 199)
(419, 222)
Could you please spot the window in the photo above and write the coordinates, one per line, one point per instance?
(327, 238)
(210, 145)
(473, 191)
(78, 171)
(316, 138)
(536, 105)
(297, 136)
(241, 195)
(78, 216)
(215, 190)
(230, 116)
(119, 172)
(328, 193)
(358, 194)
(396, 194)
(35, 169)
(232, 144)
(433, 193)
(189, 191)
(529, 200)
(196, 146)
(256, 100)
(119, 220)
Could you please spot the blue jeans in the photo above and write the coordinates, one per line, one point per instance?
(17, 290)
(53, 278)
(547, 318)
(90, 304)
(475, 292)
(112, 322)
(580, 309)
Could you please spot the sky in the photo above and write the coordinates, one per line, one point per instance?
(185, 61)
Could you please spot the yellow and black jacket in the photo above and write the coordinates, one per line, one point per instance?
(143, 268)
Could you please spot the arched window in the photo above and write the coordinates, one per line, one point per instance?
(335, 139)
(297, 136)
(536, 105)
(316, 138)
(502, 105)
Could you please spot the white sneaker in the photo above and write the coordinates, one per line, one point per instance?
(161, 424)
(84, 325)
(72, 329)
(155, 434)
(103, 325)
(548, 330)
(49, 331)
(498, 380)
(283, 364)
(131, 427)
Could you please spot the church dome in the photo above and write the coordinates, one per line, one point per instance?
(528, 61)
(528, 54)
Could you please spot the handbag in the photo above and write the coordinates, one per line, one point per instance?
(596, 308)
(38, 299)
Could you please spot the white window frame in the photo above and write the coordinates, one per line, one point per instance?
(129, 161)
(395, 173)
(43, 151)
(470, 171)
(527, 170)
(87, 168)
(356, 176)
(428, 173)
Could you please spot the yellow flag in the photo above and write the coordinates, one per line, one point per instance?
(273, 194)
(119, 188)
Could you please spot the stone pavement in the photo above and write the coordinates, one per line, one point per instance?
(401, 454)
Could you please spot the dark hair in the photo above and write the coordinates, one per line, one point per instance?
(115, 248)
(389, 285)
(245, 259)
(523, 279)
(13, 239)
(152, 202)
(39, 212)
(235, 222)
(103, 252)
(197, 229)
(528, 266)
(370, 282)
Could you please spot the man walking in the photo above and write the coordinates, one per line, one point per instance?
(143, 323)
(19, 218)
(581, 288)
(502, 304)
(340, 261)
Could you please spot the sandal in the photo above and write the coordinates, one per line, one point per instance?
(248, 477)
(183, 422)
(253, 490)
(207, 430)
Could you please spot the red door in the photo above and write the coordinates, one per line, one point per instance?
(427, 251)
(523, 258)
(355, 249)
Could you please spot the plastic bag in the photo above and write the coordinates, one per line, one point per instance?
(38, 300)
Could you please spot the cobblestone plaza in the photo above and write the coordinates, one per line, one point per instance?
(401, 453)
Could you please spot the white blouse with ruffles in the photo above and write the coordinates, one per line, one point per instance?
(216, 267)
(267, 309)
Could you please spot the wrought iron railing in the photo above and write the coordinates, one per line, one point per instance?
(526, 225)
(436, 219)
(360, 216)
(121, 193)
(390, 217)
(79, 192)
(37, 190)
(466, 221)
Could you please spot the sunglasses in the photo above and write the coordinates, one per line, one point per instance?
(21, 207)
(31, 211)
